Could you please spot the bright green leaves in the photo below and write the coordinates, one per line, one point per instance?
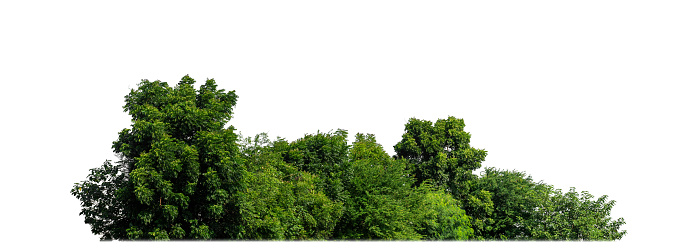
(281, 202)
(183, 175)
(366, 148)
(144, 195)
(380, 202)
(443, 219)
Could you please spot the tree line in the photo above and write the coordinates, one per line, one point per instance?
(183, 175)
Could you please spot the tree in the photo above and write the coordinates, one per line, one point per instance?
(528, 210)
(440, 153)
(102, 208)
(180, 167)
(380, 202)
(182, 174)
(570, 216)
(321, 154)
(281, 202)
(443, 219)
(515, 198)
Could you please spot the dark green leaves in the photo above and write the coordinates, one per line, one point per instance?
(183, 175)
(440, 153)
(160, 193)
(570, 216)
(526, 210)
(101, 200)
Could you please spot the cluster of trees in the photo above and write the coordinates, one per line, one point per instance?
(183, 175)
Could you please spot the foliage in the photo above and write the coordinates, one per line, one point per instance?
(99, 197)
(281, 202)
(443, 219)
(183, 175)
(181, 167)
(570, 216)
(321, 154)
(528, 210)
(381, 203)
(440, 153)
(514, 199)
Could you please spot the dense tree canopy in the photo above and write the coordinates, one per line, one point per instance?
(182, 174)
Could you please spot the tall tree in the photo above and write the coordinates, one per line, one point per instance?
(441, 154)
(179, 170)
(182, 174)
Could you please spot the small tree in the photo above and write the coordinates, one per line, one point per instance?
(528, 210)
(570, 216)
(443, 219)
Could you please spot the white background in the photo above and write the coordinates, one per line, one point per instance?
(597, 95)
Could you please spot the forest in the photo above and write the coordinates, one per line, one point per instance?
(181, 174)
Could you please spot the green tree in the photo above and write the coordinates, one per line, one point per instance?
(441, 154)
(570, 216)
(102, 208)
(321, 154)
(281, 202)
(528, 210)
(180, 167)
(182, 174)
(443, 219)
(515, 198)
(381, 203)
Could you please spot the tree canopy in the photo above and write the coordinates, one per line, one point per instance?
(183, 175)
